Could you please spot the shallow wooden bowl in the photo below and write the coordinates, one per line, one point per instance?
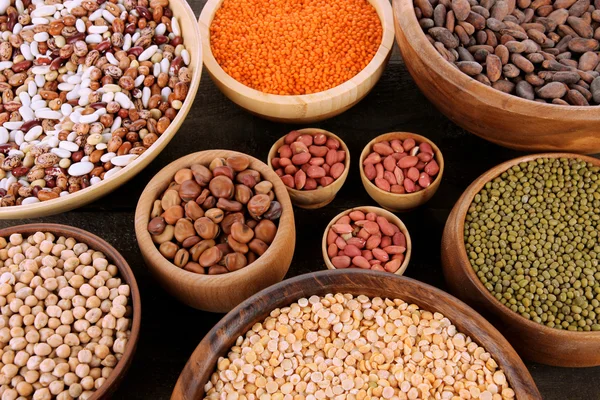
(96, 243)
(533, 341)
(216, 293)
(401, 202)
(219, 340)
(379, 211)
(320, 197)
(507, 120)
(300, 108)
(191, 37)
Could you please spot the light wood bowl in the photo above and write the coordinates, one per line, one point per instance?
(191, 39)
(216, 293)
(320, 197)
(300, 108)
(507, 120)
(401, 202)
(533, 341)
(379, 211)
(96, 243)
(219, 340)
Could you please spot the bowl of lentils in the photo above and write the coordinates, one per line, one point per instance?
(521, 245)
(91, 94)
(297, 62)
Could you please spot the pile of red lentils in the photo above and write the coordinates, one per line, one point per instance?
(294, 47)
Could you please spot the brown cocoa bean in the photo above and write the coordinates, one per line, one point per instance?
(552, 90)
(442, 35)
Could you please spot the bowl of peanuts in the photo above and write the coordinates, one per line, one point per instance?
(306, 72)
(313, 165)
(116, 84)
(368, 238)
(401, 170)
(359, 334)
(215, 227)
(74, 309)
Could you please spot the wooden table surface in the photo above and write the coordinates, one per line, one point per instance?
(170, 330)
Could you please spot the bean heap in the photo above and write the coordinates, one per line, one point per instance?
(540, 50)
(308, 162)
(219, 218)
(367, 241)
(401, 166)
(288, 47)
(531, 235)
(65, 318)
(341, 346)
(87, 86)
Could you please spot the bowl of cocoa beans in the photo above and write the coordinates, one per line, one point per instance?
(313, 164)
(367, 238)
(524, 75)
(215, 227)
(401, 170)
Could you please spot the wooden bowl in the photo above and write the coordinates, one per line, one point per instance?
(219, 340)
(379, 211)
(191, 37)
(533, 341)
(96, 243)
(300, 108)
(401, 202)
(216, 293)
(320, 197)
(504, 119)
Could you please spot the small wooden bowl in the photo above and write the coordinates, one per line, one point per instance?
(379, 211)
(300, 108)
(401, 202)
(191, 39)
(216, 293)
(96, 243)
(504, 119)
(320, 197)
(533, 341)
(219, 340)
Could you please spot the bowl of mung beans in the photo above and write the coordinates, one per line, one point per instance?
(91, 94)
(70, 317)
(296, 62)
(362, 334)
(521, 246)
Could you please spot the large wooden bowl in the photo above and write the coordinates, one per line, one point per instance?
(301, 108)
(501, 118)
(191, 39)
(216, 293)
(219, 340)
(320, 197)
(533, 341)
(113, 256)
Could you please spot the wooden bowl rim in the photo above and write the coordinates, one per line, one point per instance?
(312, 132)
(391, 217)
(106, 186)
(220, 329)
(380, 57)
(439, 158)
(492, 97)
(126, 274)
(457, 229)
(142, 214)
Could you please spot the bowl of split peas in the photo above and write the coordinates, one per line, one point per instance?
(328, 57)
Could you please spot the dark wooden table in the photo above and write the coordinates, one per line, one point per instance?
(171, 330)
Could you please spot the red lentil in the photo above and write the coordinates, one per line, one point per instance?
(294, 47)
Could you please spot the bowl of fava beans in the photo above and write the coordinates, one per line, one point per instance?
(215, 227)
(273, 59)
(354, 334)
(521, 245)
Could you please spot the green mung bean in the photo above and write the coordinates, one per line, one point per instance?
(531, 236)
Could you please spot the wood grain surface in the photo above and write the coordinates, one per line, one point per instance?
(170, 331)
